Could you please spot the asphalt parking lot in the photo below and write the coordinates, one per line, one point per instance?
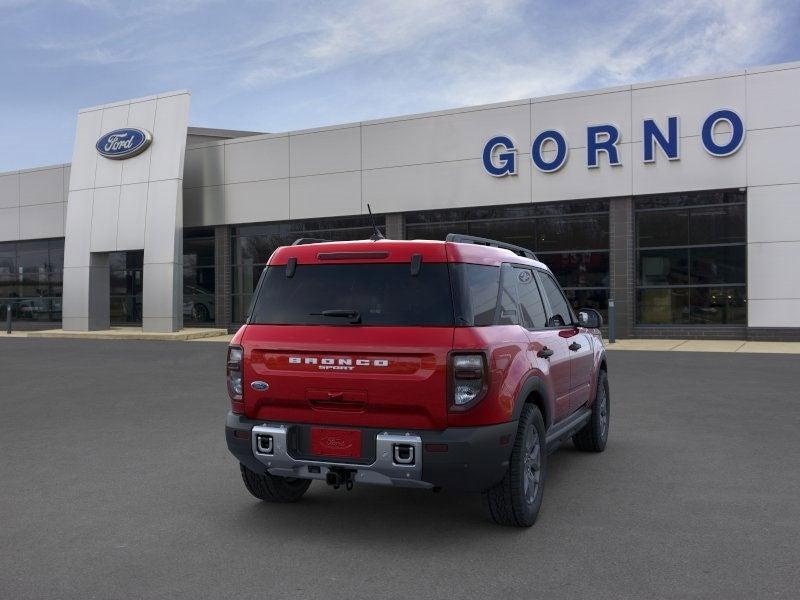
(115, 482)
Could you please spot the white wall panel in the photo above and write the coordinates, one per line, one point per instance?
(109, 171)
(65, 177)
(79, 214)
(696, 170)
(163, 202)
(75, 303)
(442, 185)
(443, 138)
(328, 151)
(84, 157)
(9, 190)
(158, 294)
(773, 156)
(132, 212)
(9, 224)
(772, 270)
(141, 115)
(773, 213)
(105, 219)
(692, 101)
(41, 221)
(325, 195)
(257, 160)
(571, 116)
(169, 137)
(773, 313)
(773, 99)
(575, 180)
(257, 201)
(43, 186)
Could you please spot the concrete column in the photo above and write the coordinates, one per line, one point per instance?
(621, 264)
(99, 292)
(87, 287)
(222, 276)
(162, 305)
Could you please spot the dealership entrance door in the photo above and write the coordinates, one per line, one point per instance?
(126, 287)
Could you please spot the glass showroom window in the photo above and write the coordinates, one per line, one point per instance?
(126, 287)
(691, 259)
(569, 237)
(252, 246)
(198, 276)
(31, 275)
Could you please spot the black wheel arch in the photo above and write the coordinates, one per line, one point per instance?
(536, 391)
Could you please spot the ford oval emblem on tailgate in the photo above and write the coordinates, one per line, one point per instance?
(260, 386)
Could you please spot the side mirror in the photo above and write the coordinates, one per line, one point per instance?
(590, 318)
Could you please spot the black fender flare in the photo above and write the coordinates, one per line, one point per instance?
(598, 366)
(535, 383)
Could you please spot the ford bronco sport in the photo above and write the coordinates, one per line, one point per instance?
(426, 364)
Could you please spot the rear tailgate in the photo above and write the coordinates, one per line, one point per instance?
(376, 377)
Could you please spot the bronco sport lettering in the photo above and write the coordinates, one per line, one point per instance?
(343, 363)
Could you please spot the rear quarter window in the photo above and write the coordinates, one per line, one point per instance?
(475, 290)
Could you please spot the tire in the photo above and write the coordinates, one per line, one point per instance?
(594, 435)
(516, 500)
(273, 489)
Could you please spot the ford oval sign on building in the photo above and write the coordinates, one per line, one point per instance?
(124, 143)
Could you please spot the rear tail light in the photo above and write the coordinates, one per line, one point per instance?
(234, 375)
(469, 380)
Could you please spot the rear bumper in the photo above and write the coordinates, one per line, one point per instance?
(457, 458)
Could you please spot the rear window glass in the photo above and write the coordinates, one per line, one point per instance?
(382, 294)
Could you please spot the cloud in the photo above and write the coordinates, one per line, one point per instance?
(666, 41)
(334, 36)
(471, 52)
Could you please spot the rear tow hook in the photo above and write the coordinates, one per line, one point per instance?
(338, 476)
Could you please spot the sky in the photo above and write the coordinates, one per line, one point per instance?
(283, 65)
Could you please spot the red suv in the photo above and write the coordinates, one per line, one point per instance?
(426, 364)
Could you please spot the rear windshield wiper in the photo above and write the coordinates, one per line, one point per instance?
(345, 313)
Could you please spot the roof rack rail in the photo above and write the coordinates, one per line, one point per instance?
(304, 241)
(460, 238)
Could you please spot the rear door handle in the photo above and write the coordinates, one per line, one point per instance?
(574, 346)
(545, 353)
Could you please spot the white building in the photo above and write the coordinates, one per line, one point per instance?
(679, 200)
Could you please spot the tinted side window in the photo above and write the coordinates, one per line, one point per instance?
(530, 302)
(561, 313)
(507, 302)
(475, 292)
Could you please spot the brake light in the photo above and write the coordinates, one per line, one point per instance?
(234, 376)
(469, 380)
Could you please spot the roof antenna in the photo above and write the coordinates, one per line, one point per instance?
(377, 235)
